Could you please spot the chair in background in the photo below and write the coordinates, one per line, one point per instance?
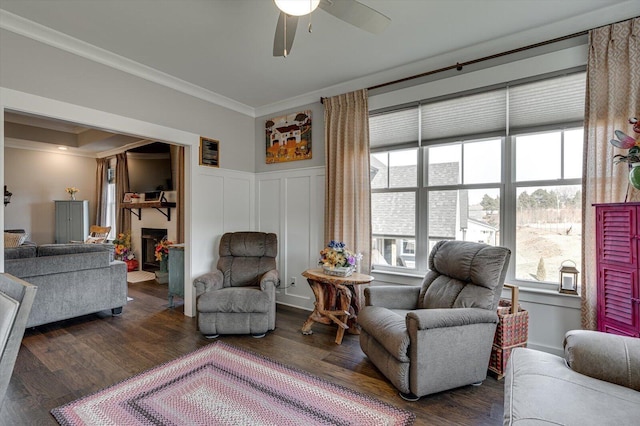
(98, 234)
(16, 299)
(239, 297)
(437, 336)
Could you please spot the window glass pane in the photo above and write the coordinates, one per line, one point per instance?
(482, 161)
(403, 172)
(538, 156)
(111, 210)
(398, 252)
(379, 173)
(548, 231)
(573, 144)
(393, 226)
(465, 215)
(393, 213)
(444, 165)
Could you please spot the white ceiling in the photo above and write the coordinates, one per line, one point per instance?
(222, 49)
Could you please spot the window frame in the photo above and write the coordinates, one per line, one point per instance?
(507, 187)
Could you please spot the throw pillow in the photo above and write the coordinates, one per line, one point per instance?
(14, 240)
(94, 240)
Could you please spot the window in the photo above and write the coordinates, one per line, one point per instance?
(548, 203)
(501, 166)
(111, 199)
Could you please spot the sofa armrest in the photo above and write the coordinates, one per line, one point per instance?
(269, 280)
(608, 357)
(392, 296)
(210, 281)
(441, 318)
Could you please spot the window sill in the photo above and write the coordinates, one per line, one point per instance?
(527, 294)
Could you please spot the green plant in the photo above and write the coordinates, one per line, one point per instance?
(627, 142)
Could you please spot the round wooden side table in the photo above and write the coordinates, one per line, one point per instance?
(336, 300)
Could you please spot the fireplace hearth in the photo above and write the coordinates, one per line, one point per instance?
(151, 237)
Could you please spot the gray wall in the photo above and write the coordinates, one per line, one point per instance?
(32, 67)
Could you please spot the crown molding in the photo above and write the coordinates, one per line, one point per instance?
(46, 35)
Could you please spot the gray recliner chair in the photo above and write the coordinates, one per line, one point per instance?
(438, 336)
(240, 297)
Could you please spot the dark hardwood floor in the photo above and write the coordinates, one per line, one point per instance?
(61, 362)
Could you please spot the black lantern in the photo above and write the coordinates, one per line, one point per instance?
(568, 278)
(7, 196)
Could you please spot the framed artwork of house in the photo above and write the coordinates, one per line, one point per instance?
(288, 137)
(209, 152)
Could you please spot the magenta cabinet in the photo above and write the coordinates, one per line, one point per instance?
(617, 242)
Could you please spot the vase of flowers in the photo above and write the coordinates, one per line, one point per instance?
(123, 251)
(72, 191)
(337, 260)
(632, 158)
(162, 253)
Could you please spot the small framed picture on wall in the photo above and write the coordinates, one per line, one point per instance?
(209, 152)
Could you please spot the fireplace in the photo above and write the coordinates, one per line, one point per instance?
(150, 237)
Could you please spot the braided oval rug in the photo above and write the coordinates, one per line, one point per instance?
(222, 384)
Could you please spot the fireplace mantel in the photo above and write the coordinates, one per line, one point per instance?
(158, 205)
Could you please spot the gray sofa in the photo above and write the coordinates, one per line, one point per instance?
(596, 383)
(72, 279)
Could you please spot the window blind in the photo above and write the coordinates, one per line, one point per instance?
(543, 102)
(467, 115)
(394, 128)
(552, 101)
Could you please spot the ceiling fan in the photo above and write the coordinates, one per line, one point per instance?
(350, 11)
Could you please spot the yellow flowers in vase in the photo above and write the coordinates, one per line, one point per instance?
(72, 191)
(336, 259)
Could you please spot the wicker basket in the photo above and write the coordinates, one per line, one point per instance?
(338, 271)
(512, 332)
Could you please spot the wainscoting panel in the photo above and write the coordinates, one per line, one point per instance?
(294, 202)
(238, 203)
(270, 208)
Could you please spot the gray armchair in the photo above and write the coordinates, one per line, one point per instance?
(437, 336)
(239, 297)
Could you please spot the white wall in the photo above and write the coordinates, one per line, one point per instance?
(38, 178)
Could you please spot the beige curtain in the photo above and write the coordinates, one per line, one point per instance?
(177, 157)
(123, 217)
(102, 184)
(613, 96)
(347, 215)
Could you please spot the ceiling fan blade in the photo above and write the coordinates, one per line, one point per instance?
(278, 39)
(356, 14)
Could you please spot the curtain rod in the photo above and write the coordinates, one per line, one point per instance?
(458, 66)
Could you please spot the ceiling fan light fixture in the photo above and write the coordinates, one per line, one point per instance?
(297, 7)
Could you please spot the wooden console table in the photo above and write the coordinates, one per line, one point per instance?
(336, 301)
